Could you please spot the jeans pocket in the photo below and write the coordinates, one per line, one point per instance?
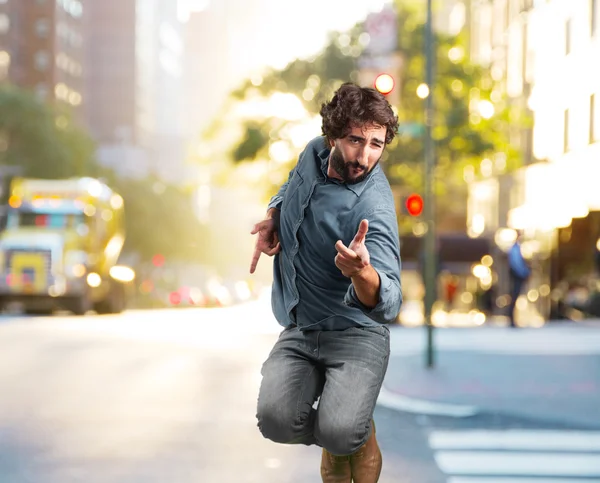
(380, 329)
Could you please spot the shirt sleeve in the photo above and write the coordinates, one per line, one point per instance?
(383, 244)
(277, 200)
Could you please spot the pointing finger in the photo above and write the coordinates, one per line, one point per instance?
(363, 228)
(255, 258)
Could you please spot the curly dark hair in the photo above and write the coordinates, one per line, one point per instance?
(353, 105)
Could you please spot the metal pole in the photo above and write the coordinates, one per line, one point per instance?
(430, 237)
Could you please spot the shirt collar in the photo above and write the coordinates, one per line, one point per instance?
(356, 188)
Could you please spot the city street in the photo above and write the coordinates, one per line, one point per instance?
(169, 396)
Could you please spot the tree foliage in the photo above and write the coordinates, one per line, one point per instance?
(463, 135)
(160, 220)
(45, 142)
(41, 139)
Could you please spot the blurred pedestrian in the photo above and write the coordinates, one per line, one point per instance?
(519, 272)
(333, 230)
(450, 282)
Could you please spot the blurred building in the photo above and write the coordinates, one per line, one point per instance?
(450, 16)
(134, 58)
(206, 71)
(554, 198)
(160, 87)
(42, 48)
(112, 112)
(223, 45)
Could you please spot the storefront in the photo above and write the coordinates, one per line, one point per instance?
(556, 206)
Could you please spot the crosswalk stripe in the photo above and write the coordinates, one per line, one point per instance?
(517, 455)
(530, 440)
(478, 479)
(518, 464)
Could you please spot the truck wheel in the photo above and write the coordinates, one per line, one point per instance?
(80, 305)
(38, 312)
(114, 303)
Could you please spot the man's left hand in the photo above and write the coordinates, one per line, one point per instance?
(353, 259)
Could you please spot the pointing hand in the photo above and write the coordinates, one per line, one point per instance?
(267, 241)
(353, 259)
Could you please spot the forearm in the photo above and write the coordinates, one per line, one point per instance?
(273, 213)
(366, 284)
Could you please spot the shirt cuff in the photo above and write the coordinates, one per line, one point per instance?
(381, 312)
(275, 202)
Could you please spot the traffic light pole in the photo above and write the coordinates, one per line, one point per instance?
(430, 261)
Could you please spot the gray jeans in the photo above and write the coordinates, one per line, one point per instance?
(345, 369)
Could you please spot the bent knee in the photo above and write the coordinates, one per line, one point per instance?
(278, 424)
(343, 439)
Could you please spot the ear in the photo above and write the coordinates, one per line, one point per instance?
(332, 143)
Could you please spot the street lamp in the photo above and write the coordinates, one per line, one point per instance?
(384, 83)
(423, 91)
(430, 262)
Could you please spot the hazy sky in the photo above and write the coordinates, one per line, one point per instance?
(282, 30)
(247, 35)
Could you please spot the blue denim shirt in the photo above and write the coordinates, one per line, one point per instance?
(308, 289)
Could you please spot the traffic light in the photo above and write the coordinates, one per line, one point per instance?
(414, 204)
(158, 260)
(384, 83)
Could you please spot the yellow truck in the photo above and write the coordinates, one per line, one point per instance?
(60, 247)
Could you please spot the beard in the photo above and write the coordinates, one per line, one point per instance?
(344, 168)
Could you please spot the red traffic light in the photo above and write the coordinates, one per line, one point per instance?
(158, 260)
(414, 205)
(384, 83)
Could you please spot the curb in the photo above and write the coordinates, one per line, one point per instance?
(391, 400)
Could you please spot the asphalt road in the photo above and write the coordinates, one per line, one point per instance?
(169, 396)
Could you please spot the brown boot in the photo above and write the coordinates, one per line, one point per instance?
(335, 469)
(367, 461)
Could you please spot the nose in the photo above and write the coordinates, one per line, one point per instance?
(363, 155)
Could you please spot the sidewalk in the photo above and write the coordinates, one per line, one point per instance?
(558, 380)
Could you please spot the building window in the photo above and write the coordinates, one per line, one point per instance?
(526, 5)
(42, 91)
(594, 121)
(42, 28)
(568, 37)
(41, 60)
(4, 23)
(525, 55)
(566, 132)
(4, 64)
(593, 17)
(73, 7)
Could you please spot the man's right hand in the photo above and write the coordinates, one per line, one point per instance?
(268, 239)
